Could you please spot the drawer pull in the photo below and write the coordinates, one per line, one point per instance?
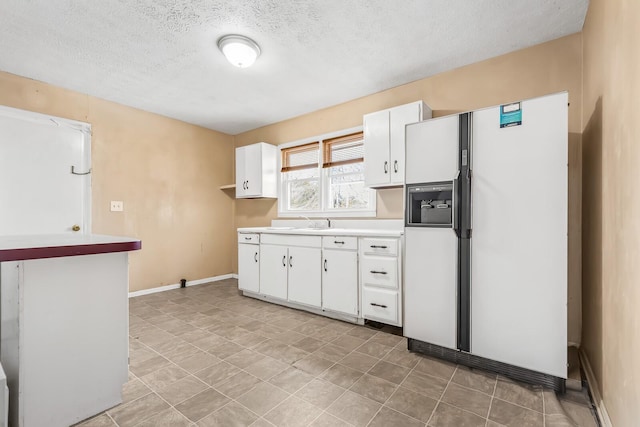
(337, 242)
(247, 238)
(379, 246)
(378, 272)
(378, 305)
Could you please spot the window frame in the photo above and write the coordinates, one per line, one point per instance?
(324, 183)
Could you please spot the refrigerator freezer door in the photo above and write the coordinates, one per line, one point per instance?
(432, 150)
(519, 241)
(430, 285)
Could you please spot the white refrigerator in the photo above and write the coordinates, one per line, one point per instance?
(486, 235)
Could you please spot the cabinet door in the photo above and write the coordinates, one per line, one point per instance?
(376, 148)
(249, 267)
(253, 170)
(241, 154)
(304, 276)
(273, 271)
(399, 117)
(340, 281)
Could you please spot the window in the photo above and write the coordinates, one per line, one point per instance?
(301, 177)
(325, 177)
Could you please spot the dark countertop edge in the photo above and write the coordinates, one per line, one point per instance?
(23, 254)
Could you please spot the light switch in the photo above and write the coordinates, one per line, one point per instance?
(117, 206)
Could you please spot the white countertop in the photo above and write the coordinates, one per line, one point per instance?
(359, 232)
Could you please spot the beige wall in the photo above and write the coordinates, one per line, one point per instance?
(167, 173)
(550, 67)
(611, 210)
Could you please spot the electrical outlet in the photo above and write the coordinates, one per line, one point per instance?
(117, 206)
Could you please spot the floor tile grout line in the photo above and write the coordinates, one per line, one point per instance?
(518, 405)
(366, 373)
(495, 387)
(544, 412)
(442, 395)
(470, 388)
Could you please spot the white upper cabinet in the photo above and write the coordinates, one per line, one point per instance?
(256, 174)
(384, 139)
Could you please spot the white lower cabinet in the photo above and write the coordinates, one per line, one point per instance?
(248, 265)
(304, 276)
(346, 277)
(290, 268)
(381, 305)
(340, 275)
(273, 271)
(381, 280)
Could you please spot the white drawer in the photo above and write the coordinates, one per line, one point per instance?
(340, 242)
(380, 246)
(253, 238)
(292, 240)
(379, 271)
(381, 305)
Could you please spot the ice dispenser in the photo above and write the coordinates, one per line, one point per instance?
(430, 205)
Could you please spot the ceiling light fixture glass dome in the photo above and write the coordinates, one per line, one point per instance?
(239, 50)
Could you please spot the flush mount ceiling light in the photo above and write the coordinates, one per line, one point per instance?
(241, 51)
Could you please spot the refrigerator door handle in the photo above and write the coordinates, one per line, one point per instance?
(467, 211)
(456, 204)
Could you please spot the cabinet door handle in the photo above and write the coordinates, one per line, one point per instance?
(378, 246)
(378, 305)
(325, 265)
(378, 272)
(395, 166)
(284, 261)
(255, 257)
(247, 184)
(338, 242)
(386, 166)
(290, 261)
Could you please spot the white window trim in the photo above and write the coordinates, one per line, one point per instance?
(324, 193)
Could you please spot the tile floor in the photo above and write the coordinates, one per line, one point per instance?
(206, 356)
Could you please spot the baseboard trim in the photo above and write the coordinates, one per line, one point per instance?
(592, 382)
(177, 285)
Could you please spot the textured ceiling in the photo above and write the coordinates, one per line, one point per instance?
(161, 56)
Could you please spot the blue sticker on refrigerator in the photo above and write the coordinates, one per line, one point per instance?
(510, 115)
